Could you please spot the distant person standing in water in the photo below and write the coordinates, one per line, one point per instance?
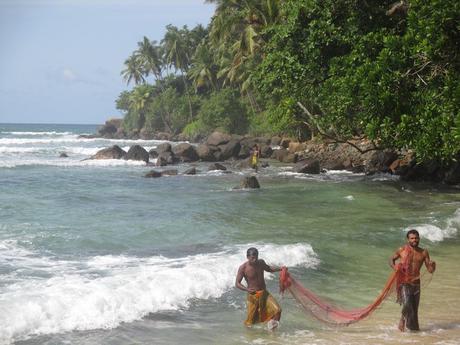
(262, 306)
(411, 258)
(255, 156)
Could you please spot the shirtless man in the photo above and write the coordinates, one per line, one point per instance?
(261, 304)
(411, 258)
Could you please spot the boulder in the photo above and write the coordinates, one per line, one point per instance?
(452, 176)
(380, 161)
(245, 152)
(153, 173)
(185, 152)
(308, 167)
(164, 147)
(266, 151)
(190, 171)
(285, 143)
(249, 182)
(205, 153)
(230, 149)
(165, 158)
(137, 153)
(290, 158)
(218, 138)
(63, 155)
(216, 166)
(112, 152)
(280, 154)
(169, 172)
(110, 128)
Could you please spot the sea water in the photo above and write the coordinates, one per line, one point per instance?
(91, 252)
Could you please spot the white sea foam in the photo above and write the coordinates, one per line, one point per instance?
(349, 197)
(59, 162)
(435, 233)
(37, 133)
(104, 291)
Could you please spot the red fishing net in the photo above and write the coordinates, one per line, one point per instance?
(333, 315)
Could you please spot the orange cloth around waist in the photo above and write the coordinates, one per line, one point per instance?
(262, 307)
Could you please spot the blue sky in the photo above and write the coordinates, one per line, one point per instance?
(60, 60)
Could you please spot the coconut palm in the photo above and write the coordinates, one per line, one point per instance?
(134, 70)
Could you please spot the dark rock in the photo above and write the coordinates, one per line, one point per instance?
(266, 151)
(216, 166)
(358, 169)
(190, 171)
(153, 173)
(264, 165)
(185, 152)
(205, 153)
(155, 152)
(335, 164)
(230, 149)
(285, 143)
(245, 152)
(165, 158)
(308, 167)
(137, 153)
(112, 152)
(110, 127)
(88, 136)
(217, 154)
(63, 155)
(170, 172)
(218, 138)
(380, 161)
(452, 175)
(249, 182)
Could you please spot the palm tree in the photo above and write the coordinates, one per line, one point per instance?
(138, 100)
(134, 70)
(203, 70)
(177, 47)
(150, 56)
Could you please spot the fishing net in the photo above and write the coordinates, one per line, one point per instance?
(328, 313)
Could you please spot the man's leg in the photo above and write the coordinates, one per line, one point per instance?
(412, 309)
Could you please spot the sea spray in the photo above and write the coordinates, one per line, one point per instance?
(104, 291)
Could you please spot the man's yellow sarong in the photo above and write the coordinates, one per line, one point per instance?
(261, 307)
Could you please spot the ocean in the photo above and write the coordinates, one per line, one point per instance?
(91, 252)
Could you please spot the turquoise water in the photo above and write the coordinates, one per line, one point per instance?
(93, 253)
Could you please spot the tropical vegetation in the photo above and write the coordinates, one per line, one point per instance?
(350, 69)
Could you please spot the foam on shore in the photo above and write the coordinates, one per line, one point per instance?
(104, 291)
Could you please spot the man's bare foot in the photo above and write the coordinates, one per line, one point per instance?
(402, 325)
(272, 324)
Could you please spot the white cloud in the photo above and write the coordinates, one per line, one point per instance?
(68, 75)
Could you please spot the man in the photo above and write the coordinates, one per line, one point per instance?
(411, 258)
(255, 156)
(262, 306)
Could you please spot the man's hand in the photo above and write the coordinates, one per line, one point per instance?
(431, 266)
(251, 290)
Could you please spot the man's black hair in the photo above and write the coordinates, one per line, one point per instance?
(413, 231)
(252, 252)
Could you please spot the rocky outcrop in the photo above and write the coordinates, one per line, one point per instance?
(205, 153)
(218, 138)
(249, 182)
(165, 158)
(112, 152)
(164, 147)
(110, 128)
(169, 172)
(230, 149)
(185, 152)
(153, 173)
(137, 153)
(190, 171)
(308, 167)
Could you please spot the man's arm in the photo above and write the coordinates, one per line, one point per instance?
(430, 265)
(239, 278)
(270, 269)
(396, 256)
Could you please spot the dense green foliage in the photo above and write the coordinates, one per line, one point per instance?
(363, 69)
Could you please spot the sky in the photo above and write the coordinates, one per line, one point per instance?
(60, 60)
